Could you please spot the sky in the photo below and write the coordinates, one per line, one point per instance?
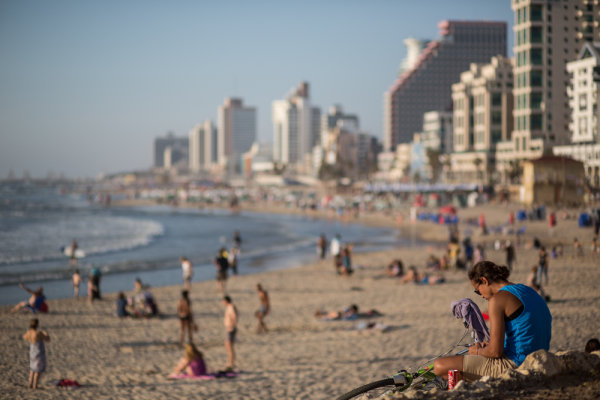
(86, 86)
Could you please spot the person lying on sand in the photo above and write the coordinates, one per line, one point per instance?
(415, 276)
(348, 314)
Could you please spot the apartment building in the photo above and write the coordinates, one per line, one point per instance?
(548, 35)
(584, 126)
(427, 85)
(483, 105)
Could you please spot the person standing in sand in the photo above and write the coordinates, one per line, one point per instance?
(188, 272)
(520, 323)
(37, 352)
(186, 318)
(76, 281)
(73, 255)
(230, 322)
(264, 309)
(222, 264)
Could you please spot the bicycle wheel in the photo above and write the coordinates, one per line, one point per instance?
(367, 388)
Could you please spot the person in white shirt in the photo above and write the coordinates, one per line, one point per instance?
(188, 272)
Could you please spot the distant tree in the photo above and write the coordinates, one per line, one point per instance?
(433, 159)
(477, 162)
(416, 177)
(330, 172)
(279, 168)
(514, 172)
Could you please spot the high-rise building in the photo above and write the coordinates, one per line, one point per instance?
(584, 126)
(296, 126)
(179, 149)
(236, 133)
(203, 146)
(548, 34)
(483, 105)
(427, 85)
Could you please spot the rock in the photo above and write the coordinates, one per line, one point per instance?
(577, 361)
(544, 363)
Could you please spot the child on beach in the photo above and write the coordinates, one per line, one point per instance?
(191, 364)
(121, 306)
(76, 281)
(37, 352)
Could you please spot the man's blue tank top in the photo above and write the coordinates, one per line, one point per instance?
(532, 329)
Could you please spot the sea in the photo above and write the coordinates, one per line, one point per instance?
(37, 221)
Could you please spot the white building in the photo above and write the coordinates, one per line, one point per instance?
(203, 147)
(236, 133)
(483, 105)
(584, 126)
(295, 128)
(437, 131)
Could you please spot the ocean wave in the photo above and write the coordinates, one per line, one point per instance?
(95, 234)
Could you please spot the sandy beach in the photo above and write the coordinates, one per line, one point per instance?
(302, 357)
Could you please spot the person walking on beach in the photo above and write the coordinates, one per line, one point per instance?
(263, 310)
(233, 259)
(96, 277)
(222, 264)
(230, 322)
(76, 281)
(187, 271)
(37, 352)
(520, 323)
(186, 318)
(73, 256)
(542, 266)
(322, 246)
(509, 249)
(336, 246)
(237, 239)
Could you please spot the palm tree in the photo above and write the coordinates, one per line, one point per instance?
(477, 162)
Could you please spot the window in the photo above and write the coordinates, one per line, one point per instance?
(536, 56)
(496, 118)
(496, 99)
(536, 34)
(536, 12)
(496, 135)
(582, 125)
(582, 102)
(536, 121)
(536, 78)
(536, 100)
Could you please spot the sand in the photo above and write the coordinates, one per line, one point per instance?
(302, 357)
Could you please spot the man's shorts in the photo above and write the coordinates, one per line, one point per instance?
(474, 367)
(230, 335)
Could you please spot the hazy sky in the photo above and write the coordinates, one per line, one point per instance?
(85, 86)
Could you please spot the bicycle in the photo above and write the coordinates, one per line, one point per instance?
(424, 378)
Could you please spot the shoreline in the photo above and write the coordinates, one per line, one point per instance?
(300, 357)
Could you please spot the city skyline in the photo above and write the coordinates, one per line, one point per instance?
(86, 87)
